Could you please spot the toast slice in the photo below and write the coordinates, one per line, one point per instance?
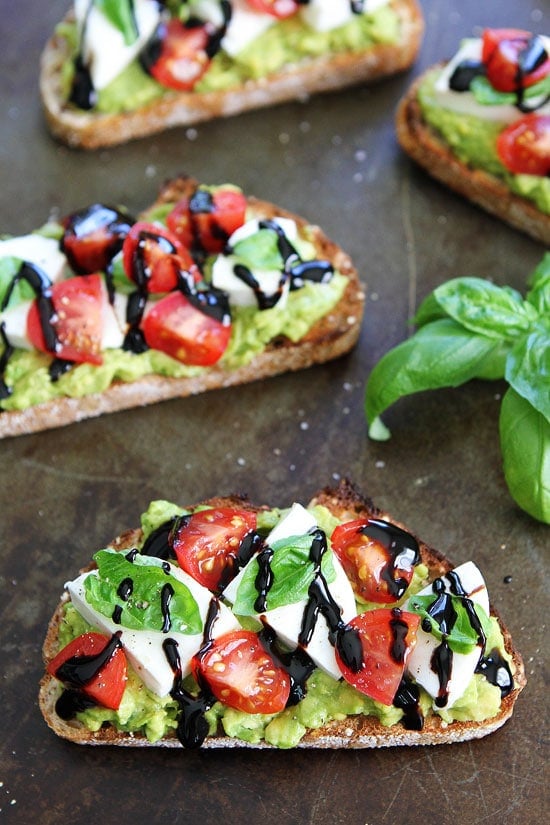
(296, 80)
(329, 336)
(427, 147)
(355, 730)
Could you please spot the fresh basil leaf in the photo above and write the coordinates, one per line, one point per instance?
(525, 447)
(486, 94)
(463, 637)
(441, 354)
(9, 267)
(260, 250)
(142, 610)
(539, 282)
(528, 368)
(292, 575)
(483, 307)
(120, 13)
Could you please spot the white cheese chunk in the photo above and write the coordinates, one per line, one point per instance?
(104, 50)
(463, 664)
(465, 102)
(39, 250)
(14, 321)
(144, 647)
(324, 15)
(245, 26)
(286, 621)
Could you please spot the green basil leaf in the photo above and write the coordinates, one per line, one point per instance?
(429, 310)
(23, 291)
(539, 282)
(120, 13)
(486, 94)
(143, 608)
(441, 354)
(525, 446)
(463, 637)
(528, 368)
(483, 307)
(260, 250)
(292, 574)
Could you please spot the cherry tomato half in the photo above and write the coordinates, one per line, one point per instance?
(524, 146)
(207, 542)
(513, 59)
(277, 8)
(207, 219)
(183, 57)
(93, 236)
(81, 660)
(175, 326)
(77, 320)
(152, 257)
(387, 637)
(242, 675)
(379, 568)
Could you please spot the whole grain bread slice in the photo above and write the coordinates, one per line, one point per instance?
(296, 81)
(346, 502)
(427, 147)
(330, 337)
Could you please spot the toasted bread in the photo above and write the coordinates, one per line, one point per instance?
(357, 731)
(427, 147)
(328, 338)
(298, 80)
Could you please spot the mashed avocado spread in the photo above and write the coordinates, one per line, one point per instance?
(287, 42)
(473, 141)
(326, 699)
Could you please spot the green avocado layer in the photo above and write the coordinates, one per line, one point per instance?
(473, 141)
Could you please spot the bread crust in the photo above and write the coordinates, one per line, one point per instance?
(89, 130)
(424, 145)
(329, 338)
(346, 502)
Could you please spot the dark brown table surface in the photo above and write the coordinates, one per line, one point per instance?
(64, 493)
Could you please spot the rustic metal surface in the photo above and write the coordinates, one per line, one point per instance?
(64, 493)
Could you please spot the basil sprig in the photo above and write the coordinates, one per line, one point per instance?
(120, 13)
(142, 608)
(463, 636)
(470, 328)
(292, 575)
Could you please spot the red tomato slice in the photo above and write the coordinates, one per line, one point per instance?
(183, 57)
(77, 321)
(242, 675)
(207, 543)
(369, 565)
(79, 665)
(277, 8)
(174, 326)
(93, 236)
(501, 53)
(208, 218)
(152, 257)
(524, 146)
(387, 637)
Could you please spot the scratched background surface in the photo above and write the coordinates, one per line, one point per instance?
(64, 493)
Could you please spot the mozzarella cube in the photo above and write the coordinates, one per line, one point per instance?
(38, 250)
(463, 664)
(103, 49)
